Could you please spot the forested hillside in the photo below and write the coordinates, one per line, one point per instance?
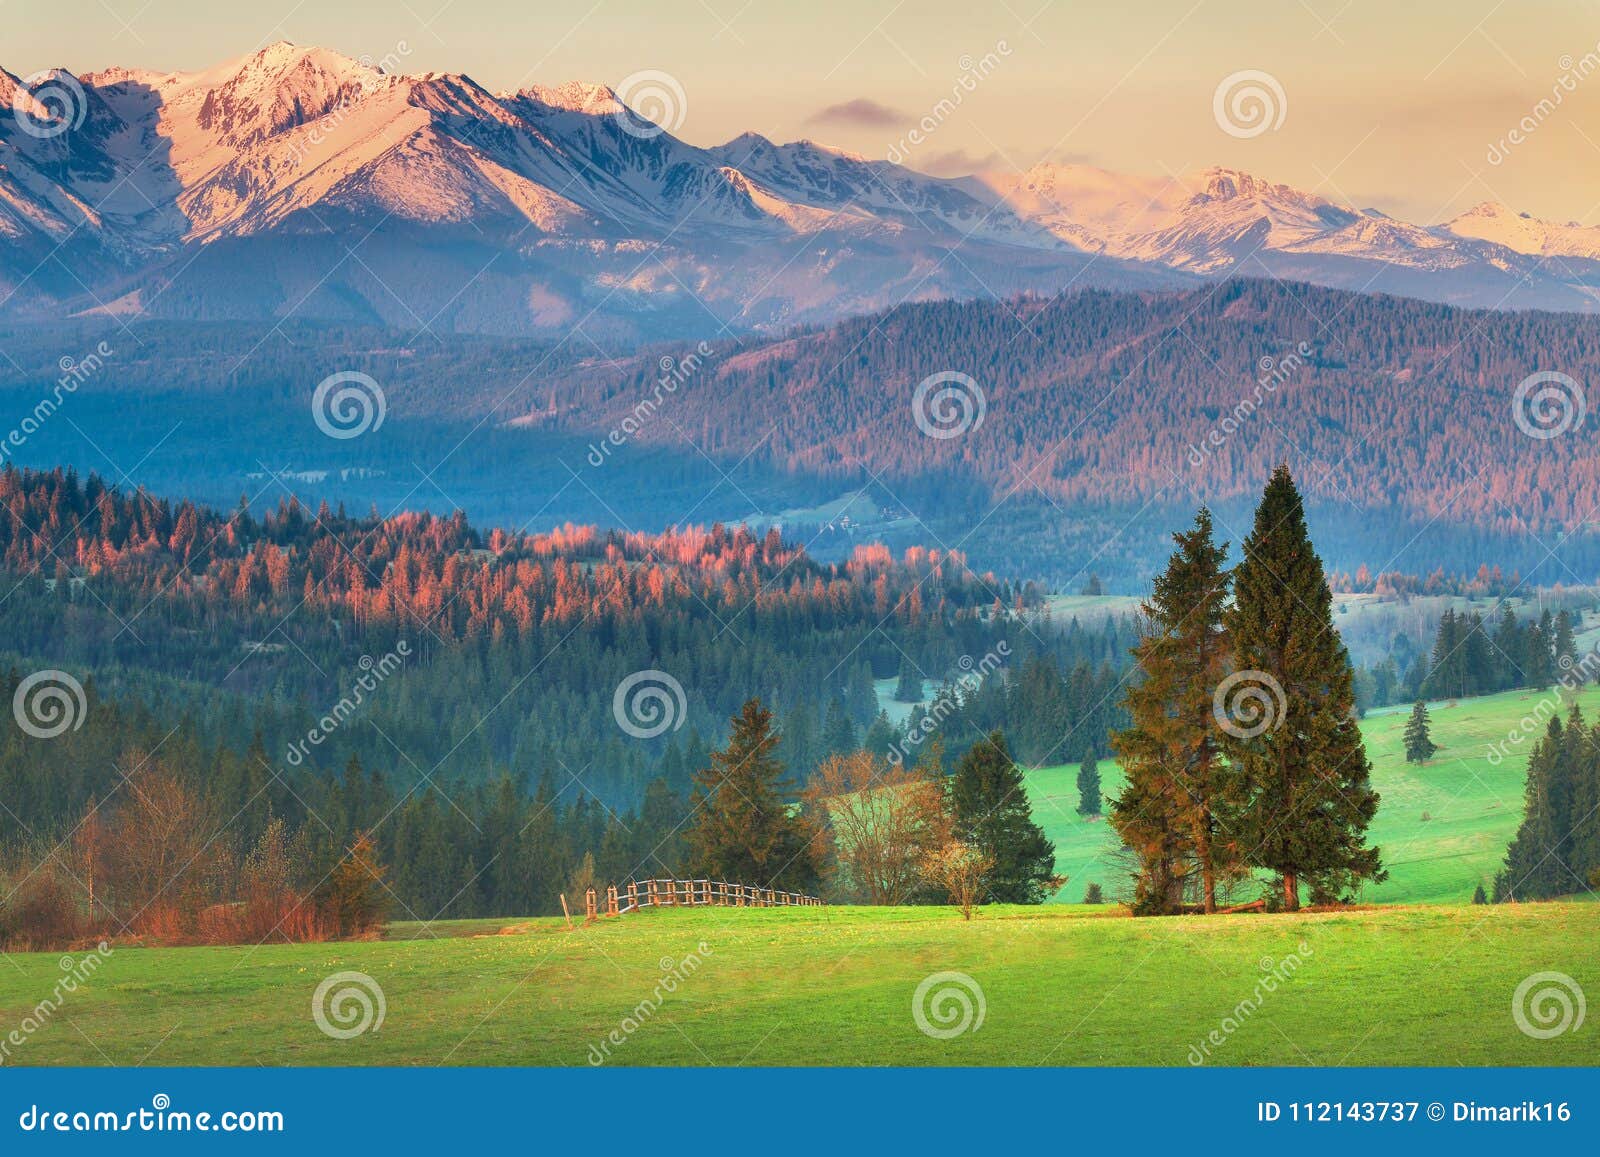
(1094, 422)
(332, 670)
(1402, 417)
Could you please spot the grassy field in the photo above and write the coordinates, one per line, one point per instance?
(1443, 825)
(1061, 986)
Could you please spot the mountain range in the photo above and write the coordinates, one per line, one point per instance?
(297, 182)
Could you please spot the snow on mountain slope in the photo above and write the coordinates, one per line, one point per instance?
(528, 211)
(1220, 220)
(1522, 233)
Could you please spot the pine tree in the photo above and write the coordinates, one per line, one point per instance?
(1510, 650)
(1172, 811)
(1565, 644)
(1447, 669)
(1088, 785)
(990, 811)
(838, 732)
(881, 736)
(354, 898)
(1530, 864)
(1302, 766)
(908, 688)
(1477, 658)
(1419, 744)
(1540, 665)
(744, 831)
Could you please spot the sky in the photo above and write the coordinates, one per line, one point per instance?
(1420, 108)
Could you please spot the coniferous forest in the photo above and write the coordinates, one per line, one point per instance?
(456, 692)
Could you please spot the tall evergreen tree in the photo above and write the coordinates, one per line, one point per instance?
(1419, 744)
(1540, 665)
(1565, 644)
(1532, 869)
(1088, 785)
(990, 811)
(744, 830)
(908, 687)
(1172, 812)
(1303, 767)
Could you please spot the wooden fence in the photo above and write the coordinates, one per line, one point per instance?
(636, 894)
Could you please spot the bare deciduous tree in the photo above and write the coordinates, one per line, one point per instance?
(959, 869)
(883, 821)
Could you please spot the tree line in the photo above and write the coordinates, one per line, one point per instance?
(870, 831)
(1556, 851)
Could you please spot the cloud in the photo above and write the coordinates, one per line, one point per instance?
(960, 163)
(859, 113)
(955, 163)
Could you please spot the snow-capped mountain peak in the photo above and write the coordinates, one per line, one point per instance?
(576, 96)
(524, 209)
(1524, 233)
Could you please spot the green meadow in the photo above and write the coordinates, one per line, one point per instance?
(1425, 979)
(1443, 825)
(821, 986)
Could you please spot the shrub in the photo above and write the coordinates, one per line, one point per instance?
(42, 912)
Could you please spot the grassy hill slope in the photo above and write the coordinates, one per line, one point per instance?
(1425, 985)
(1443, 825)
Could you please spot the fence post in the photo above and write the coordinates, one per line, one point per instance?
(588, 905)
(633, 894)
(611, 900)
(650, 892)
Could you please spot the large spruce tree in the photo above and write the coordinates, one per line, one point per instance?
(990, 811)
(744, 830)
(1302, 766)
(1419, 743)
(1171, 812)
(1088, 785)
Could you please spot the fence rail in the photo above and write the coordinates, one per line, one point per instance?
(636, 894)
